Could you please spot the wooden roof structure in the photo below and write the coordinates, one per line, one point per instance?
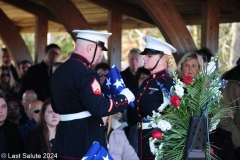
(170, 16)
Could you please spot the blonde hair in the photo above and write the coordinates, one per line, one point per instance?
(189, 56)
(109, 125)
(12, 84)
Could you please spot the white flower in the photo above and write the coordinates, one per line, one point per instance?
(153, 124)
(214, 125)
(161, 145)
(164, 125)
(153, 149)
(166, 102)
(179, 90)
(211, 67)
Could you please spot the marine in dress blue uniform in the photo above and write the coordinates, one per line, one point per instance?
(77, 97)
(150, 96)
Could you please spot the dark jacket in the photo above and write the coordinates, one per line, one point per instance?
(75, 88)
(150, 98)
(36, 79)
(35, 142)
(129, 80)
(10, 139)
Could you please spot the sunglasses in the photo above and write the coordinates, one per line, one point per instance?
(36, 111)
(13, 107)
(3, 75)
(102, 74)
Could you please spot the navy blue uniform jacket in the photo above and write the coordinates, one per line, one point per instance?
(75, 88)
(149, 98)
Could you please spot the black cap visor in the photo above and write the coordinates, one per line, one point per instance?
(151, 51)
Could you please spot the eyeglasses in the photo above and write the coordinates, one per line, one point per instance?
(54, 53)
(3, 75)
(13, 107)
(36, 111)
(102, 74)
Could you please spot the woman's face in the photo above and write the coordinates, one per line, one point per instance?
(51, 118)
(190, 68)
(5, 76)
(150, 61)
(13, 109)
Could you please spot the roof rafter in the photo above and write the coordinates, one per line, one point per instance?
(135, 13)
(32, 8)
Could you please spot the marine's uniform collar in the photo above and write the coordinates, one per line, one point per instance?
(159, 73)
(76, 56)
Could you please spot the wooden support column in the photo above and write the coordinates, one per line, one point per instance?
(210, 24)
(41, 30)
(115, 40)
(68, 14)
(170, 23)
(13, 41)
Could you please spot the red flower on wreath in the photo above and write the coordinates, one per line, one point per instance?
(208, 84)
(157, 134)
(175, 101)
(211, 151)
(187, 80)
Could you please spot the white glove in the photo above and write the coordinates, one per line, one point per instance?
(128, 94)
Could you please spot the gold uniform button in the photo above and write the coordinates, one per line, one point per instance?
(116, 102)
(140, 94)
(154, 75)
(84, 63)
(144, 88)
(137, 100)
(125, 99)
(121, 100)
(100, 125)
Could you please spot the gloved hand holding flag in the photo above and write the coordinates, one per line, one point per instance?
(113, 84)
(97, 152)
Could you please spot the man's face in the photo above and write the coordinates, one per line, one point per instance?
(24, 67)
(52, 55)
(34, 111)
(27, 98)
(6, 59)
(135, 61)
(3, 111)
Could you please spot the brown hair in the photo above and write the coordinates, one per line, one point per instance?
(43, 125)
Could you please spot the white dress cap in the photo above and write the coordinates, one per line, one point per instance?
(158, 45)
(92, 35)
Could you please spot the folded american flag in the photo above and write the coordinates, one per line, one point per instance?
(113, 84)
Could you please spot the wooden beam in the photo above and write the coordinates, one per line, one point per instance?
(115, 40)
(230, 5)
(32, 8)
(12, 39)
(210, 25)
(171, 25)
(41, 30)
(68, 15)
(126, 9)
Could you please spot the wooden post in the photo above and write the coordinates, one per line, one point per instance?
(210, 25)
(41, 30)
(115, 40)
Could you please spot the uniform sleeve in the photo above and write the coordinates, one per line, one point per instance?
(93, 99)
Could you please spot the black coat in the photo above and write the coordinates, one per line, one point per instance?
(35, 142)
(36, 79)
(10, 139)
(149, 99)
(75, 88)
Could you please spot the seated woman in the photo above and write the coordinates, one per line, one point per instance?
(40, 139)
(118, 144)
(189, 65)
(8, 85)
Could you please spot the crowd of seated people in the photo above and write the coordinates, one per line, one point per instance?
(27, 118)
